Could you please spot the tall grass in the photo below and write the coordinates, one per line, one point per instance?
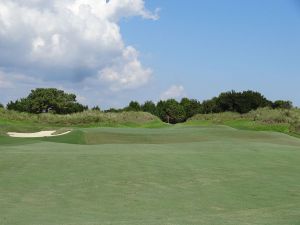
(84, 118)
(267, 115)
(283, 120)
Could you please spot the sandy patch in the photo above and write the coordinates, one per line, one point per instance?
(49, 133)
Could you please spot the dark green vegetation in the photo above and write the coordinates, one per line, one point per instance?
(178, 175)
(51, 100)
(172, 111)
(44, 100)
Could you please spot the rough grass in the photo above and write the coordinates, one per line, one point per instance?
(25, 122)
(264, 119)
(179, 175)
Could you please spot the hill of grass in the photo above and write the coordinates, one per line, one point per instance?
(25, 122)
(263, 119)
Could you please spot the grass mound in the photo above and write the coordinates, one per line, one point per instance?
(25, 122)
(263, 119)
(173, 135)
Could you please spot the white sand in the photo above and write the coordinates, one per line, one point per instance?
(37, 134)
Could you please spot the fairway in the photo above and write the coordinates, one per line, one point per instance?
(178, 175)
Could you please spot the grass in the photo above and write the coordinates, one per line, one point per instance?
(265, 119)
(131, 176)
(85, 119)
(11, 121)
(215, 169)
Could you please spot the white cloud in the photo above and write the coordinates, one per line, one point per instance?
(127, 73)
(175, 91)
(72, 40)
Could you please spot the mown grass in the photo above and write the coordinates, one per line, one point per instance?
(134, 176)
(200, 172)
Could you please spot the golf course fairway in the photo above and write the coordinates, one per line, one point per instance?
(136, 176)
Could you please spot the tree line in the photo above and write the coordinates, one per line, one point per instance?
(173, 111)
(51, 100)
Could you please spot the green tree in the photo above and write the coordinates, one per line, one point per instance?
(44, 100)
(96, 108)
(171, 111)
(227, 101)
(1, 106)
(191, 107)
(149, 107)
(133, 106)
(280, 104)
(210, 106)
(250, 100)
(241, 102)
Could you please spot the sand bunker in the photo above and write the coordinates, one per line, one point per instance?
(37, 134)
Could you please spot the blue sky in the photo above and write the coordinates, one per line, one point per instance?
(217, 45)
(129, 51)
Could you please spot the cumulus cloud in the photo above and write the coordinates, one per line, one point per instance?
(71, 41)
(126, 73)
(175, 91)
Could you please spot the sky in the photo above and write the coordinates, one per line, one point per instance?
(111, 53)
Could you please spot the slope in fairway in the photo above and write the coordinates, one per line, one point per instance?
(178, 176)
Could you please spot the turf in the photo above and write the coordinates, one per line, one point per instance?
(179, 175)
